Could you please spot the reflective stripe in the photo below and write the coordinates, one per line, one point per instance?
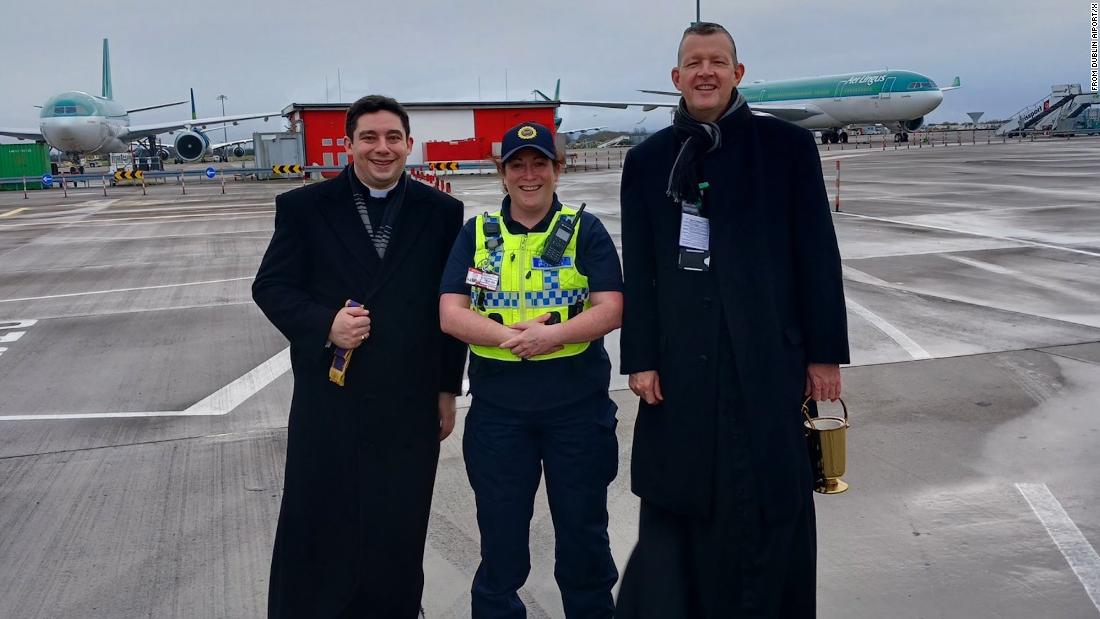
(501, 299)
(552, 298)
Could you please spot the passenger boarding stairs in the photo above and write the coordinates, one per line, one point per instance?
(614, 141)
(1061, 112)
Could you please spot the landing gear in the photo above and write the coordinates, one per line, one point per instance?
(834, 136)
(901, 137)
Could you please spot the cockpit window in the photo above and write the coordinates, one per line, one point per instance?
(71, 104)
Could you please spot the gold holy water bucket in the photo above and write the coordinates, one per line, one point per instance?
(825, 439)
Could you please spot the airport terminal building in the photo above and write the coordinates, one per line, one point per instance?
(442, 131)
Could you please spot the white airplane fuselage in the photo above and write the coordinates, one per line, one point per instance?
(874, 109)
(89, 125)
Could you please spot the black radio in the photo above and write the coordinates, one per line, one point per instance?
(559, 238)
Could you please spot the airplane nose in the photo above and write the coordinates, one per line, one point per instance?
(71, 134)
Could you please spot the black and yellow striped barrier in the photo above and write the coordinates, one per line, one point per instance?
(287, 169)
(443, 165)
(136, 175)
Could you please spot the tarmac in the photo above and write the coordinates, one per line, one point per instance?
(144, 398)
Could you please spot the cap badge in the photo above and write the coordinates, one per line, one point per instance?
(527, 132)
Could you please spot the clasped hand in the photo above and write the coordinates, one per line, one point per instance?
(350, 327)
(532, 338)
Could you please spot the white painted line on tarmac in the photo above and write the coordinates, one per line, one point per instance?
(219, 403)
(1077, 550)
(235, 393)
(847, 156)
(61, 240)
(972, 233)
(114, 290)
(151, 219)
(1038, 282)
(914, 349)
(13, 212)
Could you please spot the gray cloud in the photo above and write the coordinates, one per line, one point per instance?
(264, 56)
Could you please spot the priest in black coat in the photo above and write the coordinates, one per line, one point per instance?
(734, 311)
(361, 457)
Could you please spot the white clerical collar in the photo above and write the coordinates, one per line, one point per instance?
(381, 193)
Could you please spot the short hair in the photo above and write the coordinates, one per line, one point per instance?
(705, 28)
(371, 104)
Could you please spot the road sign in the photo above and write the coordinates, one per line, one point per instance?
(123, 175)
(443, 165)
(287, 169)
(47, 180)
(211, 172)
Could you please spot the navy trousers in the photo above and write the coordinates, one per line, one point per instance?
(506, 453)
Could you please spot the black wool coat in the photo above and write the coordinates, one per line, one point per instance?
(775, 275)
(361, 458)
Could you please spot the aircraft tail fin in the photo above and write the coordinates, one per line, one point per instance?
(108, 92)
(956, 83)
(557, 90)
(194, 116)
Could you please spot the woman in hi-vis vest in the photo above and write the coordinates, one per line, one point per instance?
(533, 288)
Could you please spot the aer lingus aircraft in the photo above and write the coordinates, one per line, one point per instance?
(83, 124)
(897, 99)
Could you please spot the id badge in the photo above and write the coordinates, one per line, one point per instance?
(694, 259)
(694, 231)
(483, 280)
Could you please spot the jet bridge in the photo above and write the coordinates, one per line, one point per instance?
(1066, 111)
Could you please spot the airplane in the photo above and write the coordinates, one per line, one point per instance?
(557, 116)
(897, 99)
(79, 123)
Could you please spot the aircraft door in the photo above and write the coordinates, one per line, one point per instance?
(882, 103)
(887, 88)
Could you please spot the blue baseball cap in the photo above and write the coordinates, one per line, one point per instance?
(527, 135)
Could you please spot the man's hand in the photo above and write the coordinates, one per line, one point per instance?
(823, 381)
(446, 415)
(647, 386)
(535, 338)
(350, 328)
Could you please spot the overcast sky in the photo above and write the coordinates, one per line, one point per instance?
(263, 56)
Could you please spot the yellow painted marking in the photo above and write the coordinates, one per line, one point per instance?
(13, 212)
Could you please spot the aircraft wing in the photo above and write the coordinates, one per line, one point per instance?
(622, 105)
(791, 113)
(230, 143)
(134, 132)
(567, 132)
(23, 134)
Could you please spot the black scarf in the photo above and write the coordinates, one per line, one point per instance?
(698, 139)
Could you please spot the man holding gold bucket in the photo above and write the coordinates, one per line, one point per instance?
(734, 318)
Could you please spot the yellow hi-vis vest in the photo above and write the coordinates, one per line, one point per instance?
(528, 286)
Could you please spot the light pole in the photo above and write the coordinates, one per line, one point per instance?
(225, 134)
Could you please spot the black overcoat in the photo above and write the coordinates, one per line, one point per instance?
(361, 458)
(775, 275)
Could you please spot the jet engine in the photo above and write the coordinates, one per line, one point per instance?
(191, 145)
(911, 125)
(238, 151)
